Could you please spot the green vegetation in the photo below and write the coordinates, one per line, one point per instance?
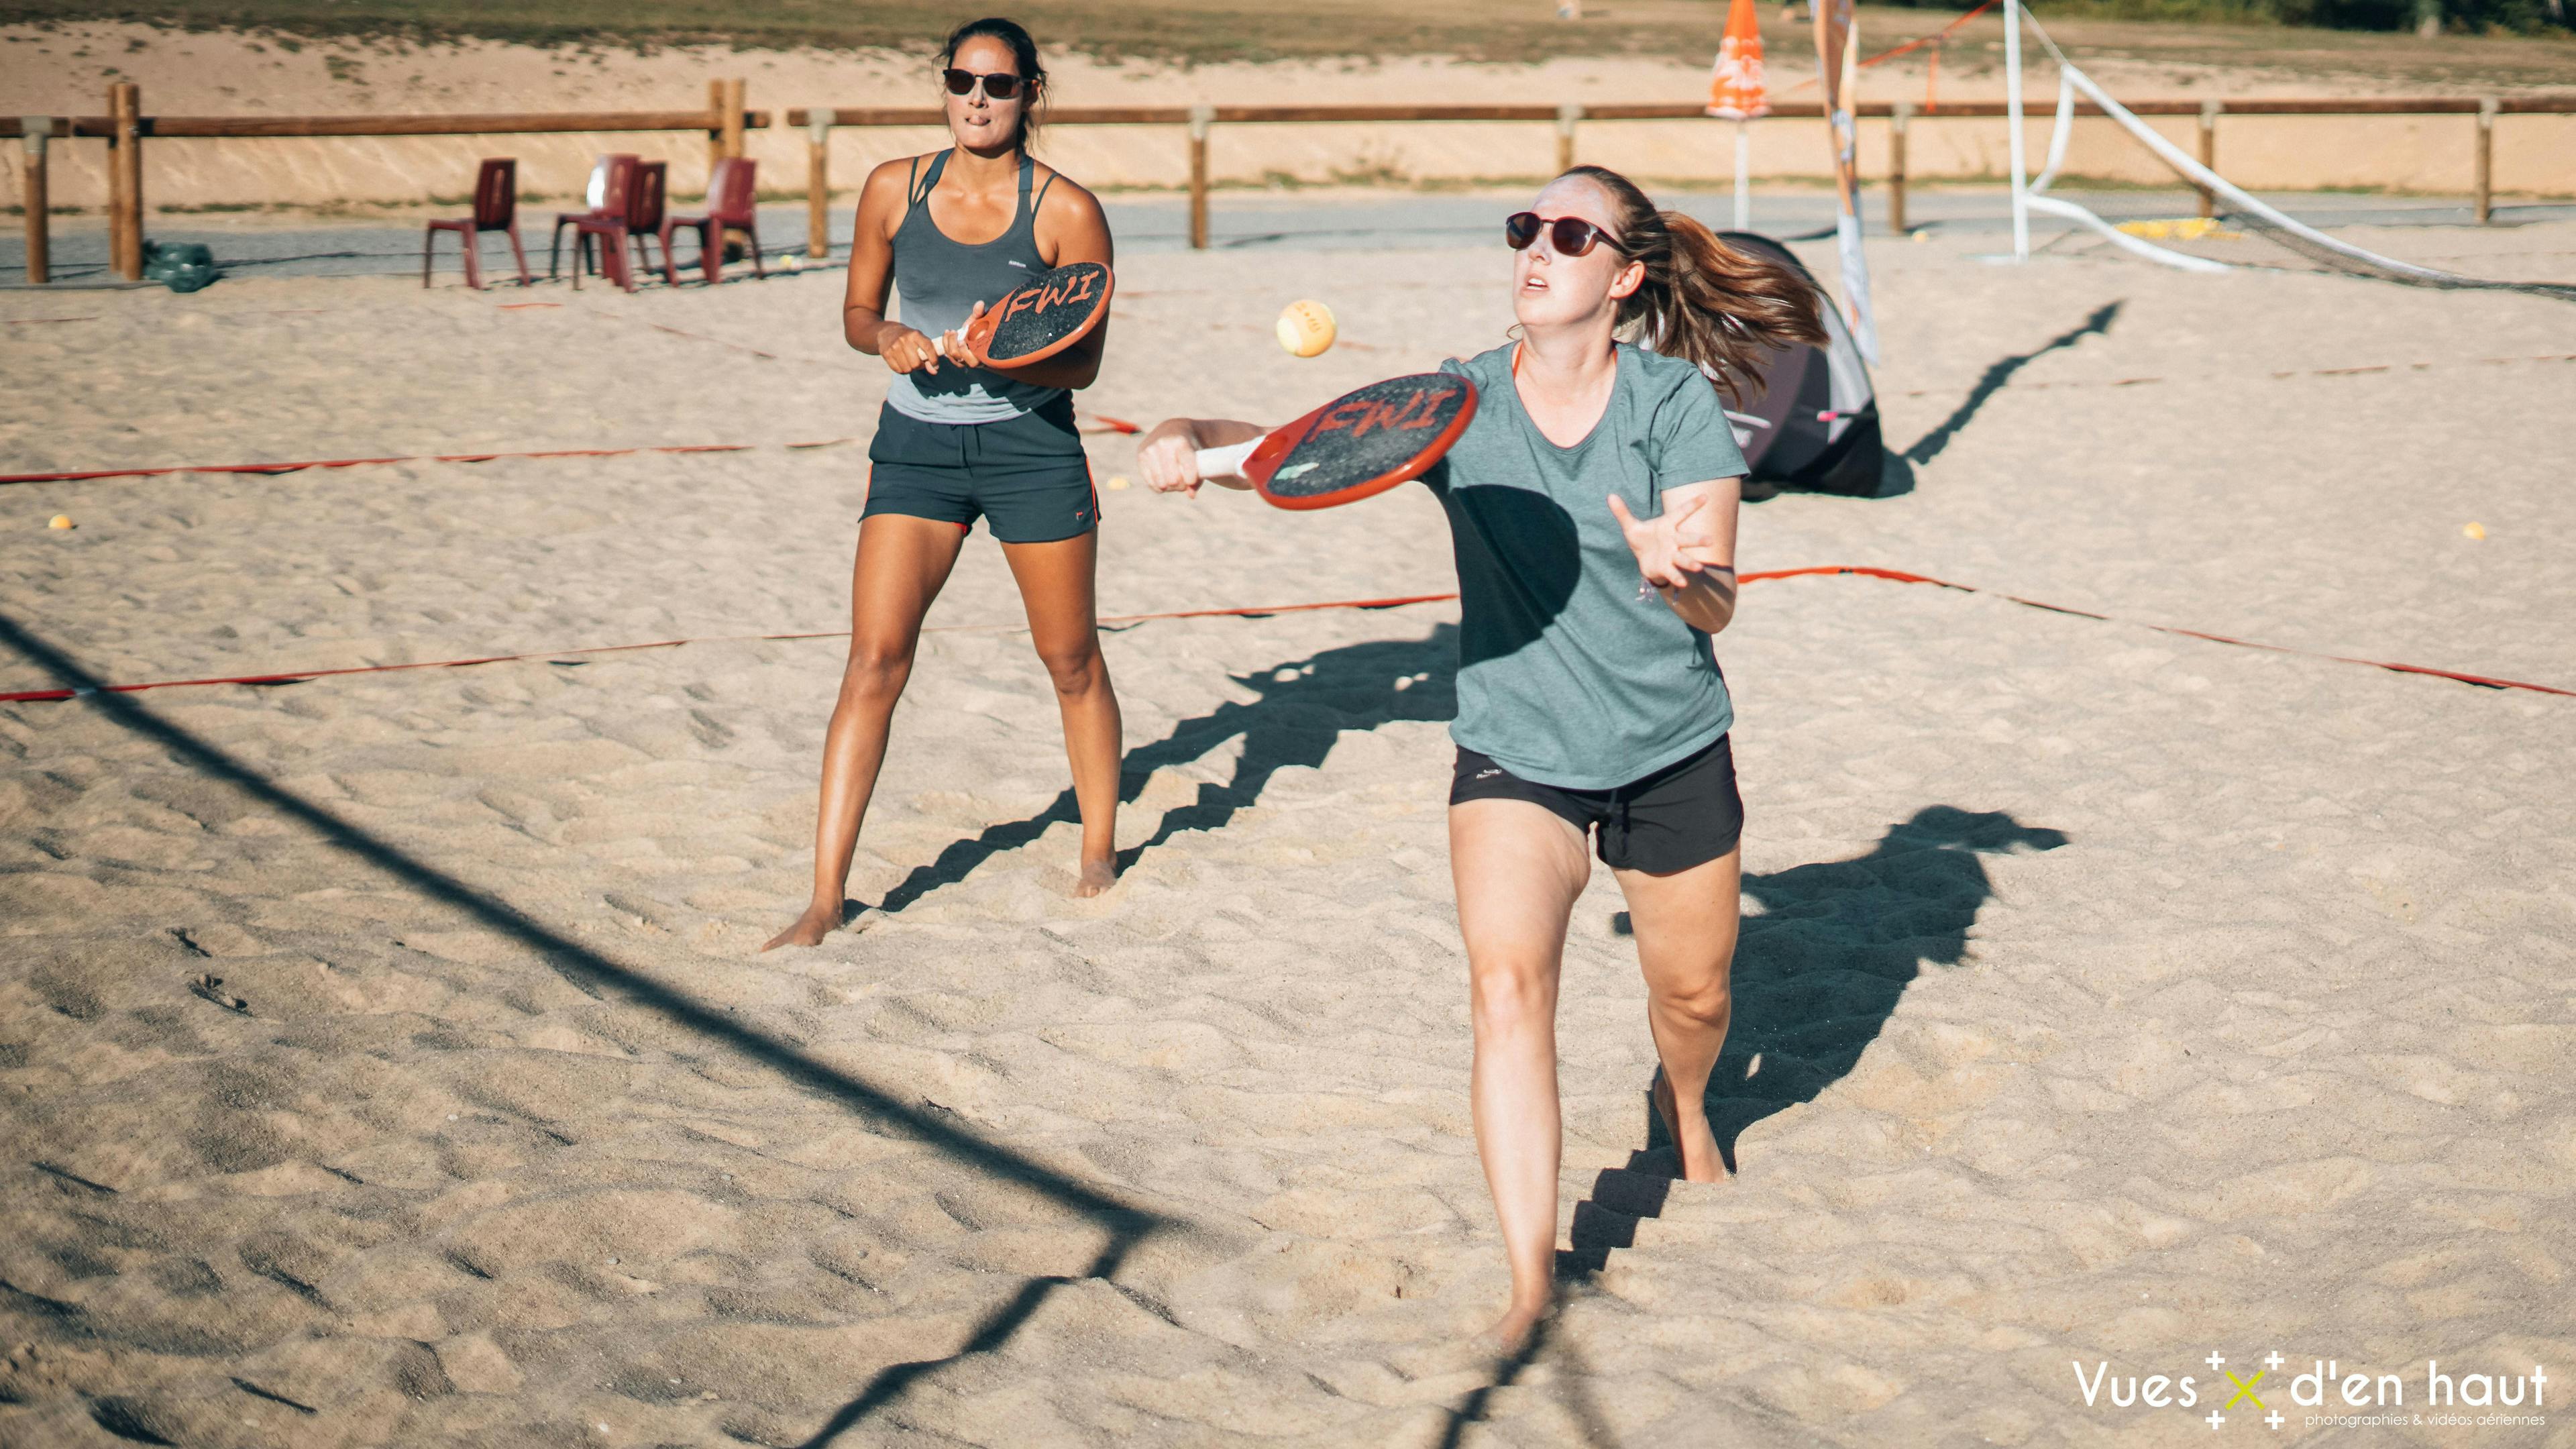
(2458, 17)
(1180, 30)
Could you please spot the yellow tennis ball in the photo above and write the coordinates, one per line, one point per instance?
(1306, 328)
(2473, 530)
(1118, 483)
(61, 520)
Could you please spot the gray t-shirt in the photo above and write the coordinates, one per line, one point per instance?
(1565, 676)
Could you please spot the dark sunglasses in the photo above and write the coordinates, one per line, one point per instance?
(1569, 236)
(1001, 85)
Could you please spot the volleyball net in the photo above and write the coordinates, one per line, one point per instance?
(2233, 206)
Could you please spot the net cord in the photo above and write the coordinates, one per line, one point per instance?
(2296, 234)
(2038, 200)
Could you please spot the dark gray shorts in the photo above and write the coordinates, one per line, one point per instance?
(1026, 476)
(1687, 813)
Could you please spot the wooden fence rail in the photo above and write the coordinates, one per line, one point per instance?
(725, 118)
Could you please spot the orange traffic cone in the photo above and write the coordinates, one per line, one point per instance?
(1735, 83)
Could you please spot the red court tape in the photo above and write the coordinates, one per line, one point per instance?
(1261, 611)
(1115, 425)
(298, 677)
(1906, 578)
(273, 468)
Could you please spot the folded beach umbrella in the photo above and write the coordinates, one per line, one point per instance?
(1813, 421)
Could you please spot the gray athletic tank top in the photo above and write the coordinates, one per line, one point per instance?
(938, 281)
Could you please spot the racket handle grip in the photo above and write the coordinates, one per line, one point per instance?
(1226, 462)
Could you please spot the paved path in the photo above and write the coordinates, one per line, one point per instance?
(267, 246)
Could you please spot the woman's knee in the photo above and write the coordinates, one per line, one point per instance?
(1075, 669)
(1704, 997)
(1511, 993)
(876, 666)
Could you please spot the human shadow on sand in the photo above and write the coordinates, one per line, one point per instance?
(1572, 1388)
(1819, 969)
(884, 1111)
(1822, 966)
(1306, 703)
(1303, 706)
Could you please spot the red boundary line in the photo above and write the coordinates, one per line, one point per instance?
(275, 468)
(2484, 681)
(1115, 425)
(32, 696)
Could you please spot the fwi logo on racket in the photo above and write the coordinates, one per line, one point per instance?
(1055, 310)
(1419, 408)
(1071, 290)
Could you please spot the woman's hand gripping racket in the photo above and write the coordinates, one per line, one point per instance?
(1356, 446)
(1055, 310)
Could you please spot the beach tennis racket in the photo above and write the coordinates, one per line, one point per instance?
(1054, 311)
(1356, 446)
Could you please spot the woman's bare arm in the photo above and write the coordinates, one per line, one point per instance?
(1687, 552)
(1168, 455)
(863, 302)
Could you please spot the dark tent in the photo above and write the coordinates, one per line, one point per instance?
(1814, 424)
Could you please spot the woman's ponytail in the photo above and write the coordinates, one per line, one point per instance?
(1703, 300)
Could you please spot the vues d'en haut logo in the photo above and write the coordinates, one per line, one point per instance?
(2326, 1394)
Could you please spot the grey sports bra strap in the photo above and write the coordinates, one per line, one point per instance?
(1040, 199)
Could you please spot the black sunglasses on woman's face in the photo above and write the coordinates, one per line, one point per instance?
(1000, 85)
(1570, 236)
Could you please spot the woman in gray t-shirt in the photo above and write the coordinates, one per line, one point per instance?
(1592, 506)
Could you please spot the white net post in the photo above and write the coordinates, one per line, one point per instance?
(2012, 119)
(1744, 176)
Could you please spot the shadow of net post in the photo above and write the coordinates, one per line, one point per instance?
(1929, 446)
(598, 977)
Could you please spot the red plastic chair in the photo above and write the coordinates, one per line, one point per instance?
(496, 208)
(731, 193)
(640, 223)
(605, 196)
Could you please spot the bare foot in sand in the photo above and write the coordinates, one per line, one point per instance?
(810, 928)
(1097, 876)
(1701, 1161)
(1510, 1335)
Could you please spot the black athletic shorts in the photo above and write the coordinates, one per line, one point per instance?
(1026, 476)
(1687, 813)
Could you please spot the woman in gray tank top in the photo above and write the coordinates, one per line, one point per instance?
(956, 442)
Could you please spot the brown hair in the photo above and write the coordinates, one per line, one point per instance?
(1702, 299)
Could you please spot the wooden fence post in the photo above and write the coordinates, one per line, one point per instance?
(736, 102)
(725, 99)
(125, 180)
(818, 183)
(715, 126)
(35, 130)
(1566, 115)
(1897, 116)
(1201, 117)
(2209, 109)
(2486, 158)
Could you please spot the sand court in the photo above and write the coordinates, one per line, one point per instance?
(386, 1059)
